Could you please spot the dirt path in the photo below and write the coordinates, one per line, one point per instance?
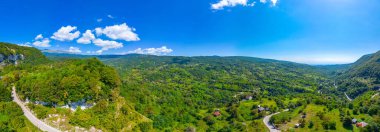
(35, 121)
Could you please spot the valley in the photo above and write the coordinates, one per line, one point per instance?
(174, 93)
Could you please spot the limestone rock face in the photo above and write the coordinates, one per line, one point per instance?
(11, 59)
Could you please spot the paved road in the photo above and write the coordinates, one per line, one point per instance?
(38, 123)
(348, 97)
(268, 124)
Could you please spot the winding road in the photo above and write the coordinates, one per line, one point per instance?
(374, 95)
(35, 121)
(348, 97)
(268, 124)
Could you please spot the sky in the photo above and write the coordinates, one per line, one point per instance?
(304, 31)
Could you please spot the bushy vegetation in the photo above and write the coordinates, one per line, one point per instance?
(71, 81)
(12, 119)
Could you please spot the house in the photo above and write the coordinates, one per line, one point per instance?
(248, 97)
(354, 121)
(303, 116)
(217, 113)
(261, 109)
(297, 125)
(361, 124)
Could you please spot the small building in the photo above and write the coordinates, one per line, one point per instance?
(297, 125)
(354, 121)
(248, 97)
(361, 124)
(217, 113)
(261, 109)
(303, 116)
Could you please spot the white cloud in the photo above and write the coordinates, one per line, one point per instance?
(274, 2)
(99, 51)
(27, 44)
(38, 37)
(99, 20)
(43, 43)
(152, 51)
(263, 1)
(119, 32)
(228, 3)
(252, 4)
(110, 16)
(86, 38)
(66, 33)
(74, 50)
(98, 31)
(107, 44)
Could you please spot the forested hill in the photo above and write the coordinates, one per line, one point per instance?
(253, 73)
(362, 76)
(77, 92)
(13, 54)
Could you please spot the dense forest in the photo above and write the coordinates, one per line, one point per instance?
(172, 93)
(52, 85)
(206, 83)
(363, 76)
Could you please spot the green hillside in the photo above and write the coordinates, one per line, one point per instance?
(206, 93)
(363, 75)
(9, 53)
(199, 84)
(71, 82)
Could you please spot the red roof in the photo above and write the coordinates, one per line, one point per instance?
(361, 124)
(217, 113)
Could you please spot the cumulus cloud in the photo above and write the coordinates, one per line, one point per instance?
(42, 43)
(67, 33)
(74, 50)
(27, 44)
(38, 37)
(86, 38)
(119, 32)
(228, 3)
(274, 2)
(110, 16)
(152, 51)
(232, 3)
(107, 44)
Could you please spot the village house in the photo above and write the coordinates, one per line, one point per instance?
(248, 97)
(261, 109)
(361, 124)
(217, 113)
(354, 121)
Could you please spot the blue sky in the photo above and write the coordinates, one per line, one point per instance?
(306, 31)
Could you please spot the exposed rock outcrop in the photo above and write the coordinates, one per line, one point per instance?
(11, 59)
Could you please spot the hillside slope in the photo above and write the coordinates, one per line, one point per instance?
(14, 54)
(53, 88)
(362, 76)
